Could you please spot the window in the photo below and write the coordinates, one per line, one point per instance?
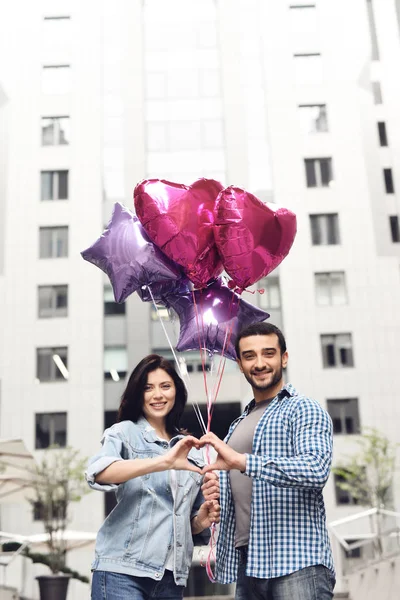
(212, 133)
(344, 414)
(372, 31)
(156, 85)
(161, 312)
(383, 141)
(110, 418)
(388, 177)
(394, 228)
(52, 364)
(330, 288)
(313, 118)
(54, 185)
(199, 585)
(223, 415)
(115, 362)
(269, 295)
(303, 18)
(318, 172)
(377, 92)
(343, 496)
(55, 131)
(110, 306)
(337, 350)
(110, 502)
(53, 242)
(56, 79)
(324, 229)
(58, 510)
(353, 552)
(398, 13)
(53, 301)
(308, 68)
(51, 428)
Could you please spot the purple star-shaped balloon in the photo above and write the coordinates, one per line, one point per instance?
(130, 259)
(212, 319)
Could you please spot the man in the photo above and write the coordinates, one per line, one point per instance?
(273, 466)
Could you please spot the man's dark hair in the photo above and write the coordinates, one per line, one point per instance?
(261, 329)
(131, 407)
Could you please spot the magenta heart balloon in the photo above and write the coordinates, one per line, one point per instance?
(179, 219)
(252, 237)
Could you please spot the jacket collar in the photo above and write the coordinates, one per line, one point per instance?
(286, 391)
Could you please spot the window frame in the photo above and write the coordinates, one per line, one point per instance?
(388, 180)
(321, 167)
(394, 228)
(382, 134)
(54, 241)
(55, 374)
(52, 430)
(342, 403)
(323, 235)
(332, 353)
(53, 311)
(323, 117)
(329, 275)
(55, 177)
(57, 130)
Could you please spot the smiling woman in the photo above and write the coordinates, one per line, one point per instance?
(154, 469)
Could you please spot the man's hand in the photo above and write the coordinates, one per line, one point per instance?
(210, 487)
(177, 459)
(209, 512)
(227, 458)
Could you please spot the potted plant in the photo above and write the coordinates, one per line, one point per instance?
(58, 480)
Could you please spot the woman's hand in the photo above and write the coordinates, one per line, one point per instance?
(227, 458)
(177, 457)
(209, 513)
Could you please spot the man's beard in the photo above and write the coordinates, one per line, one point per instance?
(266, 386)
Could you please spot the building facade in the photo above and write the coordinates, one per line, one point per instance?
(295, 101)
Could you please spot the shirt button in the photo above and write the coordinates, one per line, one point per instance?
(158, 575)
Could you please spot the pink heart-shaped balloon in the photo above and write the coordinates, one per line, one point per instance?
(179, 219)
(252, 237)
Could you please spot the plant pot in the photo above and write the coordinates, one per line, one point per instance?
(53, 587)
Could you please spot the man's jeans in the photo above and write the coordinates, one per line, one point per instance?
(117, 586)
(311, 583)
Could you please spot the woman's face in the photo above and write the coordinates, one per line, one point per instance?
(158, 396)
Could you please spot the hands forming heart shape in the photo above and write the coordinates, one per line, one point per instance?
(226, 459)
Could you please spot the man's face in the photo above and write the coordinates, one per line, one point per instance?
(261, 363)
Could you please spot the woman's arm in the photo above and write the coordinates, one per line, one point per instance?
(176, 458)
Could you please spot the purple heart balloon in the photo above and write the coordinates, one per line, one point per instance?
(130, 259)
(215, 316)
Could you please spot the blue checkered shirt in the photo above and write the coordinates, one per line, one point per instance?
(289, 464)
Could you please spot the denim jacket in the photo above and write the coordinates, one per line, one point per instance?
(137, 535)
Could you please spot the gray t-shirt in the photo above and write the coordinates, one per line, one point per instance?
(241, 440)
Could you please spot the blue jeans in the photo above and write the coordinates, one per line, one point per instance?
(312, 583)
(118, 586)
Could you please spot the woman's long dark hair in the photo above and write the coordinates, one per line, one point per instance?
(131, 407)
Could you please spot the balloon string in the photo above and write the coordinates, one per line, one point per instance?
(184, 374)
(201, 342)
(211, 400)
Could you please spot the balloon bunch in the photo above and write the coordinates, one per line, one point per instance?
(173, 251)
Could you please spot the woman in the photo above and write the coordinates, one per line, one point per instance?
(144, 547)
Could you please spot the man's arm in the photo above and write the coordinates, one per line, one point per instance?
(309, 465)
